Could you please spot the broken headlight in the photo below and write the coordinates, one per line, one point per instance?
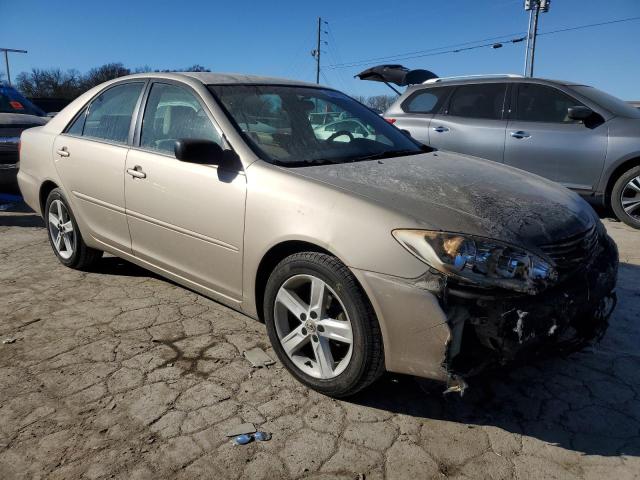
(480, 261)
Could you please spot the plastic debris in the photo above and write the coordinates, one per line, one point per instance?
(242, 439)
(262, 436)
(8, 340)
(249, 437)
(258, 358)
(456, 385)
(242, 429)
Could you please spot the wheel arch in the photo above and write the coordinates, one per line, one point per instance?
(615, 175)
(45, 189)
(271, 258)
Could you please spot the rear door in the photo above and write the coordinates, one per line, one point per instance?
(543, 140)
(90, 158)
(418, 110)
(473, 122)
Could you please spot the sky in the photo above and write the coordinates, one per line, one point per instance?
(276, 37)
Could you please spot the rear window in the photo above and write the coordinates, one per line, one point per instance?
(485, 100)
(12, 102)
(109, 114)
(426, 101)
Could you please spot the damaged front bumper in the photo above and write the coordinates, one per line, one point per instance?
(436, 328)
(496, 328)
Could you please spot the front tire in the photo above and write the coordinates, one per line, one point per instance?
(625, 197)
(64, 234)
(321, 324)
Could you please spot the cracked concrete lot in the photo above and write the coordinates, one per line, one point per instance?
(120, 374)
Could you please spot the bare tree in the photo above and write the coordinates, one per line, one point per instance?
(101, 74)
(51, 83)
(56, 83)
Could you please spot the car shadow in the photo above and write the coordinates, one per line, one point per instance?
(110, 265)
(15, 213)
(587, 402)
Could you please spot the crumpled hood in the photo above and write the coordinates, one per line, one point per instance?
(458, 193)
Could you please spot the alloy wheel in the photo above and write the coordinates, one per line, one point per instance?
(630, 198)
(61, 229)
(313, 326)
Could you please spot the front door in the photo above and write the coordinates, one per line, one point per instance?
(90, 158)
(542, 139)
(473, 122)
(185, 218)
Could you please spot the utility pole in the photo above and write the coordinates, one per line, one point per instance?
(315, 53)
(6, 60)
(534, 7)
(318, 51)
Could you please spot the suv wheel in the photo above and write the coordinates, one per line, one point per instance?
(625, 197)
(64, 235)
(322, 325)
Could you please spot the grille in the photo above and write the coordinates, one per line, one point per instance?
(571, 252)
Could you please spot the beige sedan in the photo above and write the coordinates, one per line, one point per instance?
(360, 253)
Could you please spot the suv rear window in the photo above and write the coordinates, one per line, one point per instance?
(485, 100)
(426, 101)
(12, 102)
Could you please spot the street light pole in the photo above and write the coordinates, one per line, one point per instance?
(526, 52)
(536, 14)
(534, 7)
(6, 60)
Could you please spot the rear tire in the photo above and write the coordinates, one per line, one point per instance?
(344, 309)
(625, 197)
(64, 234)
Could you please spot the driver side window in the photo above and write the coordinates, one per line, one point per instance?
(173, 113)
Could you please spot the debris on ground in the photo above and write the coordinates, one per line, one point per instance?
(242, 429)
(8, 340)
(456, 385)
(258, 358)
(248, 438)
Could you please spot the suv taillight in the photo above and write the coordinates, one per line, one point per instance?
(390, 120)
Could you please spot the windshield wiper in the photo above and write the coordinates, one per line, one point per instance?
(386, 154)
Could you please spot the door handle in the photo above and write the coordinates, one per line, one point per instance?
(440, 129)
(63, 152)
(519, 134)
(136, 172)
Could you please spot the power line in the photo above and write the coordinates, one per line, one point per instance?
(426, 53)
(579, 27)
(418, 52)
(457, 50)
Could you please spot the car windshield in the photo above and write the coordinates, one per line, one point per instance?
(297, 126)
(611, 103)
(12, 102)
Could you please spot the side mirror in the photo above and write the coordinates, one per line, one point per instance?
(204, 152)
(579, 113)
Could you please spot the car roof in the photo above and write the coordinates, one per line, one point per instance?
(210, 78)
(491, 79)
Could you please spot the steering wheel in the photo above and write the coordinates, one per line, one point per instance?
(339, 133)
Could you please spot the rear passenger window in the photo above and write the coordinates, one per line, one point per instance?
(485, 100)
(109, 116)
(173, 113)
(426, 101)
(78, 124)
(538, 103)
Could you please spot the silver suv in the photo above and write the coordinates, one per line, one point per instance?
(576, 135)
